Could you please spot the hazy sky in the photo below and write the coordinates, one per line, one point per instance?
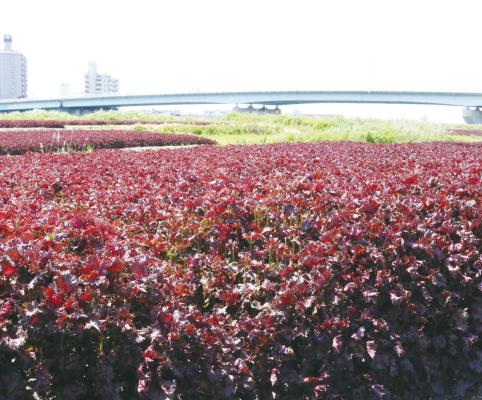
(227, 45)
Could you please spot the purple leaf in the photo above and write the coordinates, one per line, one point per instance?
(337, 343)
(399, 349)
(380, 391)
(371, 348)
(359, 334)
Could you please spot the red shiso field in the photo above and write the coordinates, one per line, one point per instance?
(308, 271)
(20, 142)
(47, 123)
(31, 123)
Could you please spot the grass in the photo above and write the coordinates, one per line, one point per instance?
(236, 128)
(259, 129)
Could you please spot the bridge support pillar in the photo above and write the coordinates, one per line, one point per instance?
(472, 116)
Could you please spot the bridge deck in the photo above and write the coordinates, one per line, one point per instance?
(266, 98)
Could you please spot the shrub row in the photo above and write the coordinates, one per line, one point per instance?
(466, 132)
(20, 142)
(337, 271)
(31, 124)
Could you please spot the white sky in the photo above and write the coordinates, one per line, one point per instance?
(230, 45)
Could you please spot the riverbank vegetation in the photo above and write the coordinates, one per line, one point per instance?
(236, 128)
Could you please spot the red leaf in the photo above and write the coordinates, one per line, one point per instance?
(115, 266)
(8, 270)
(287, 298)
(57, 300)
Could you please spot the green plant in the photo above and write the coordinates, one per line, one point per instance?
(370, 138)
(139, 128)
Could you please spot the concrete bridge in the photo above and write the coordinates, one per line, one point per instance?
(472, 102)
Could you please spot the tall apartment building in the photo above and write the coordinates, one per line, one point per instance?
(13, 72)
(96, 83)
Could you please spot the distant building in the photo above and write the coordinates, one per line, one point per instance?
(96, 83)
(13, 72)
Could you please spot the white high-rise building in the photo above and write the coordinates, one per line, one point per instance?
(96, 83)
(13, 72)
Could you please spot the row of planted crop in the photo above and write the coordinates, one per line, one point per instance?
(34, 123)
(20, 142)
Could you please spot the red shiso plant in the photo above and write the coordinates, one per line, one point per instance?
(47, 123)
(31, 123)
(337, 271)
(21, 142)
